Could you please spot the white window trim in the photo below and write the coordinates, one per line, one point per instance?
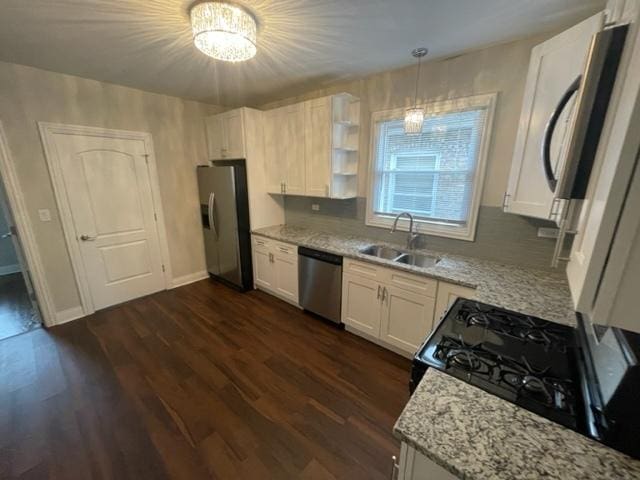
(467, 232)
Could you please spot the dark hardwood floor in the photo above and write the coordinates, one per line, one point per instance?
(198, 382)
(16, 312)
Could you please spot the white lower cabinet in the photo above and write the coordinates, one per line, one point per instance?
(447, 294)
(413, 465)
(275, 268)
(361, 304)
(386, 305)
(407, 318)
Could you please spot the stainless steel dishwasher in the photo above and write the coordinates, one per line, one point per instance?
(320, 283)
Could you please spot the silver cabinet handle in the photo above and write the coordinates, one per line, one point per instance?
(395, 468)
(284, 250)
(285, 187)
(378, 292)
(384, 294)
(87, 238)
(326, 190)
(270, 257)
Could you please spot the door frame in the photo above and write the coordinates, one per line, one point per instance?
(47, 130)
(25, 232)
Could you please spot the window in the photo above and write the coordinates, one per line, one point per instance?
(436, 175)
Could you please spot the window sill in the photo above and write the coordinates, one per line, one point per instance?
(466, 233)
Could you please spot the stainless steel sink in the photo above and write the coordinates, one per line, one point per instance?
(417, 260)
(381, 251)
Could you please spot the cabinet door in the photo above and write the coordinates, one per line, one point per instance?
(554, 66)
(407, 318)
(293, 152)
(415, 466)
(447, 294)
(263, 269)
(286, 267)
(361, 304)
(215, 137)
(273, 161)
(233, 128)
(317, 140)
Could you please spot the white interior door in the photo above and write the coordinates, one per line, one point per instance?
(107, 187)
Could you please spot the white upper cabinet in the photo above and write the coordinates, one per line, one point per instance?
(311, 148)
(273, 160)
(293, 152)
(225, 133)
(554, 67)
(284, 150)
(317, 140)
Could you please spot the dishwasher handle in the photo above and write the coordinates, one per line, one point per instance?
(321, 256)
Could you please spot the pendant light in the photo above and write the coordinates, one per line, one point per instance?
(414, 117)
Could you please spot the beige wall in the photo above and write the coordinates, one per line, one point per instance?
(29, 95)
(501, 68)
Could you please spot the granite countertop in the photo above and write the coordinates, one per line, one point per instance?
(539, 293)
(476, 435)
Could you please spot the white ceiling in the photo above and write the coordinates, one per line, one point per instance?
(147, 44)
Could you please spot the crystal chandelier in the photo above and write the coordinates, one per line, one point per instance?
(414, 117)
(224, 31)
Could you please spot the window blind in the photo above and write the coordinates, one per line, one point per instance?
(431, 174)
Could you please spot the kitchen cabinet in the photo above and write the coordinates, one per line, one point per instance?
(285, 150)
(240, 134)
(263, 271)
(447, 294)
(407, 318)
(361, 304)
(555, 64)
(311, 148)
(317, 141)
(226, 135)
(275, 268)
(413, 465)
(386, 305)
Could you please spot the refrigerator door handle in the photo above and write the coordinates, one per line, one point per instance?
(552, 181)
(212, 218)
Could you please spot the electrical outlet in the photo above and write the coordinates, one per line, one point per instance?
(547, 232)
(315, 207)
(44, 214)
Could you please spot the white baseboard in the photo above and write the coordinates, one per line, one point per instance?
(9, 269)
(69, 314)
(190, 278)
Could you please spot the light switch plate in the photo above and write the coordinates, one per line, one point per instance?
(315, 207)
(44, 214)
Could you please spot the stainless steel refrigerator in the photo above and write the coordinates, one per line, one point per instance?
(224, 207)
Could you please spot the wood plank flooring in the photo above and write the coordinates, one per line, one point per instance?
(16, 312)
(194, 383)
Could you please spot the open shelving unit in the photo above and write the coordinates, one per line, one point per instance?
(345, 145)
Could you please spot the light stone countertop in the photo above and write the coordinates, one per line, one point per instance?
(477, 436)
(540, 293)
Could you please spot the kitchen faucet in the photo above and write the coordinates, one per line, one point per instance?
(411, 236)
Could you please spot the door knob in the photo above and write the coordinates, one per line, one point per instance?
(87, 238)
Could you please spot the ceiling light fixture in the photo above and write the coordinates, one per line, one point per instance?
(414, 117)
(224, 31)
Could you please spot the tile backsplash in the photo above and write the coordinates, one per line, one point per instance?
(500, 236)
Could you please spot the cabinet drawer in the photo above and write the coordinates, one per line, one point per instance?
(363, 269)
(413, 283)
(261, 243)
(285, 250)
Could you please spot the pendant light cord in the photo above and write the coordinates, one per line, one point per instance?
(415, 98)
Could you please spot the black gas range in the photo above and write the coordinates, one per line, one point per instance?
(539, 365)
